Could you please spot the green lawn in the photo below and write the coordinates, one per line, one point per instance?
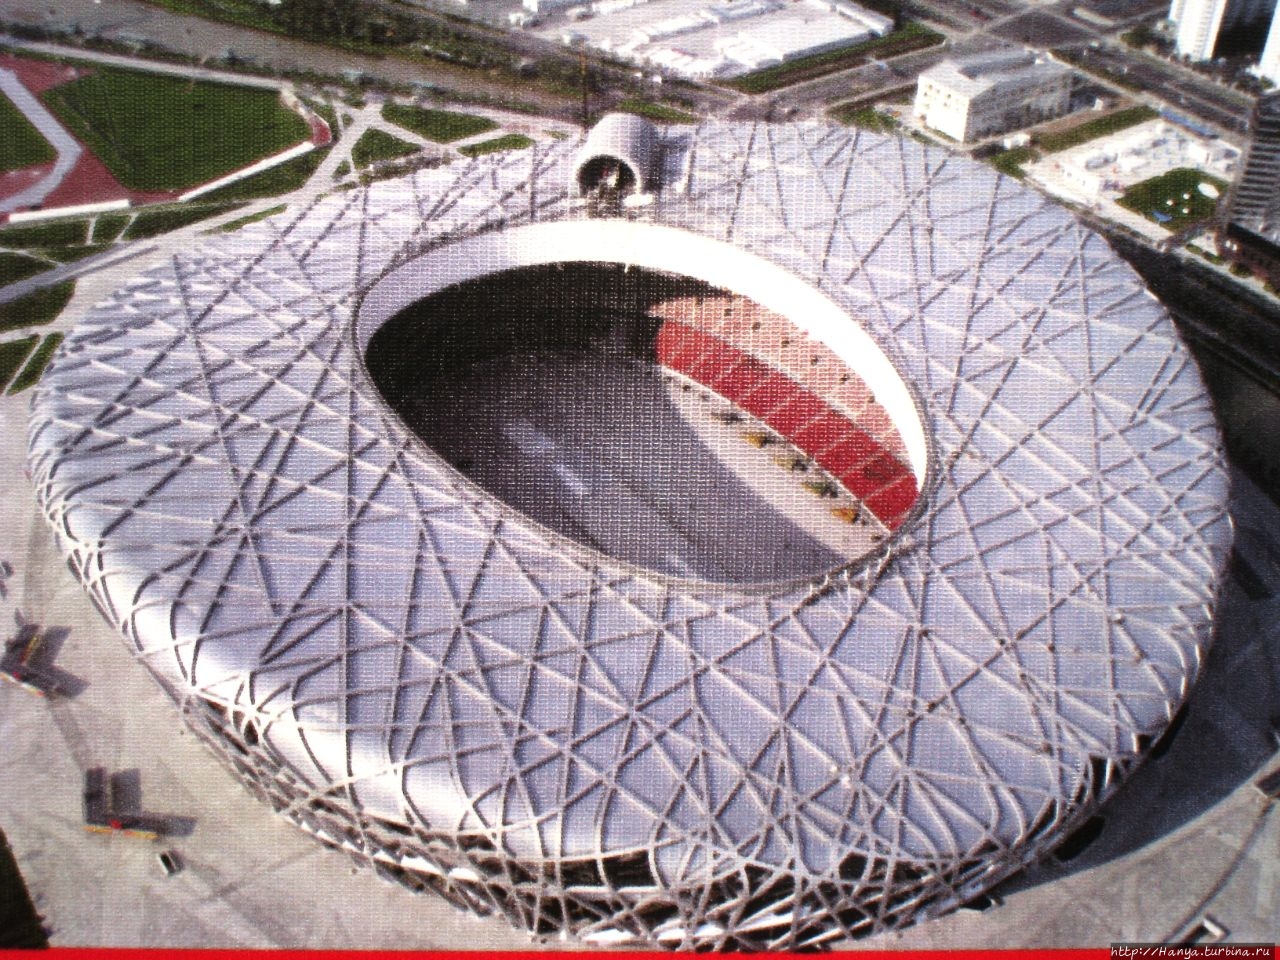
(71, 254)
(655, 111)
(1010, 161)
(36, 308)
(164, 133)
(235, 225)
(18, 266)
(32, 372)
(21, 146)
(375, 145)
(1152, 197)
(285, 178)
(52, 233)
(511, 141)
(442, 126)
(868, 118)
(109, 227)
(913, 36)
(13, 353)
(246, 13)
(1092, 129)
(152, 223)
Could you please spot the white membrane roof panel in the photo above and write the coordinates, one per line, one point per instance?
(216, 462)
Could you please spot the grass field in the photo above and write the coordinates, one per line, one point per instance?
(21, 146)
(235, 225)
(442, 126)
(62, 241)
(54, 233)
(36, 308)
(244, 13)
(109, 227)
(18, 266)
(655, 111)
(285, 178)
(152, 223)
(1163, 199)
(510, 141)
(913, 36)
(1010, 162)
(13, 354)
(34, 369)
(868, 118)
(164, 133)
(71, 254)
(375, 145)
(1092, 129)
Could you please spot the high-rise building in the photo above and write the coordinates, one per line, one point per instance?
(1251, 234)
(1200, 23)
(1269, 66)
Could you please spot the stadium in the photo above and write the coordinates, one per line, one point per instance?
(729, 536)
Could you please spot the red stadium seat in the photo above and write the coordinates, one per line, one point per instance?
(892, 503)
(796, 412)
(775, 390)
(823, 433)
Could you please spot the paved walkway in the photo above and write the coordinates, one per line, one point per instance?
(359, 120)
(1042, 175)
(98, 276)
(68, 149)
(186, 71)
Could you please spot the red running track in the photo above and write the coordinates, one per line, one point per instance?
(884, 484)
(89, 181)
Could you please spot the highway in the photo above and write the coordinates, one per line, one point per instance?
(1202, 98)
(132, 21)
(970, 25)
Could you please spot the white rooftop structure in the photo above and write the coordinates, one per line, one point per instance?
(1108, 166)
(1269, 64)
(1199, 23)
(807, 28)
(419, 674)
(994, 92)
(701, 39)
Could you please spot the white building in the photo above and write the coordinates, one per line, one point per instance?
(802, 30)
(1108, 166)
(1199, 23)
(990, 93)
(1269, 66)
(703, 39)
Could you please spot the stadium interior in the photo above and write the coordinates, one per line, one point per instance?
(650, 417)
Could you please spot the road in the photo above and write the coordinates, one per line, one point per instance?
(1216, 104)
(131, 21)
(1097, 45)
(879, 79)
(969, 24)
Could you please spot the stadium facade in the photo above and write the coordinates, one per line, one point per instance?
(505, 706)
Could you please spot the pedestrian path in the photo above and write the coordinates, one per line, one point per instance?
(68, 149)
(183, 70)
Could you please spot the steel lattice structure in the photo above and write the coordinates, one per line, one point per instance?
(423, 677)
